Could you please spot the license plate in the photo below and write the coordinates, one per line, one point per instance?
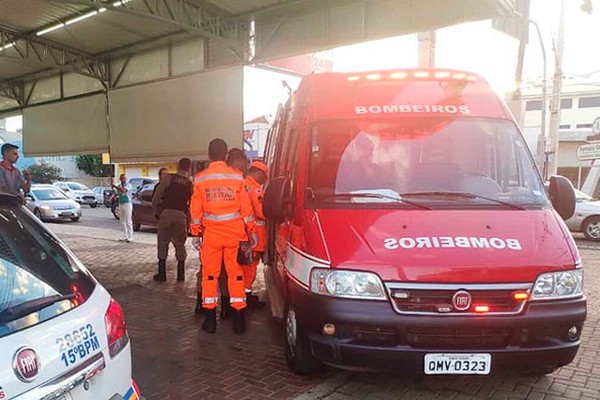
(464, 364)
(66, 214)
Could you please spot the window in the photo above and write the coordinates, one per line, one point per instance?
(581, 126)
(586, 102)
(566, 103)
(567, 126)
(35, 270)
(533, 105)
(49, 194)
(77, 186)
(384, 159)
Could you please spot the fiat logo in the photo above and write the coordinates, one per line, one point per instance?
(461, 300)
(26, 364)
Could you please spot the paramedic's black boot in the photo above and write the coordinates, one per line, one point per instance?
(181, 271)
(210, 321)
(162, 271)
(239, 324)
(199, 310)
(253, 301)
(225, 308)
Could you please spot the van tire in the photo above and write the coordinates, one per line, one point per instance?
(587, 226)
(93, 205)
(298, 354)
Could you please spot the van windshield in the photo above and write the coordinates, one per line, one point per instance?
(438, 161)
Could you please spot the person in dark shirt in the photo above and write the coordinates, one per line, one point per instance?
(171, 203)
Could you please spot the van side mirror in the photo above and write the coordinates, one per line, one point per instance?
(278, 203)
(562, 196)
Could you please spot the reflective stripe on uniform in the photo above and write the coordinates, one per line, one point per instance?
(224, 217)
(237, 300)
(210, 300)
(248, 291)
(261, 223)
(218, 176)
(255, 237)
(195, 222)
(249, 218)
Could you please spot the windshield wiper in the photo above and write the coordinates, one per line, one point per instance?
(463, 195)
(375, 196)
(23, 309)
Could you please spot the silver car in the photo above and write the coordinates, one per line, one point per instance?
(48, 203)
(586, 218)
(78, 192)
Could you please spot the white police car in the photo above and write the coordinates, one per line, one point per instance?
(62, 336)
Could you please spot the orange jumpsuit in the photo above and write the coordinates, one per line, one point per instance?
(221, 212)
(255, 190)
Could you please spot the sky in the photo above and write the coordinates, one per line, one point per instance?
(475, 47)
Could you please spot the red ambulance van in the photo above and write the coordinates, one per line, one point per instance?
(410, 230)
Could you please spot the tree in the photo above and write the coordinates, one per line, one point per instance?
(92, 165)
(44, 173)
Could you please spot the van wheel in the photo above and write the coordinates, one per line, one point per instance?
(297, 348)
(75, 219)
(93, 205)
(591, 228)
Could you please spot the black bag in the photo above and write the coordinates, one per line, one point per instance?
(244, 256)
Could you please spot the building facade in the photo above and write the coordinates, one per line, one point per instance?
(580, 106)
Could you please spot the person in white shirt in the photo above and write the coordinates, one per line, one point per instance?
(125, 208)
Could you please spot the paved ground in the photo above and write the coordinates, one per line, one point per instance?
(173, 359)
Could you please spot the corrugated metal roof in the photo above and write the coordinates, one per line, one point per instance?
(10, 69)
(31, 15)
(108, 31)
(237, 7)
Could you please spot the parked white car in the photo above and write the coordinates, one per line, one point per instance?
(62, 336)
(78, 192)
(586, 218)
(49, 203)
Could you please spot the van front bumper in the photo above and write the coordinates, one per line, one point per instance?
(370, 335)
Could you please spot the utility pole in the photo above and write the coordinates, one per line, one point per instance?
(552, 146)
(541, 150)
(426, 49)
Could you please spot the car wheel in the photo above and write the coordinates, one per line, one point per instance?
(115, 210)
(93, 205)
(38, 214)
(75, 219)
(297, 348)
(591, 228)
(136, 225)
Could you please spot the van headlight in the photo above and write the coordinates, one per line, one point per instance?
(349, 284)
(558, 285)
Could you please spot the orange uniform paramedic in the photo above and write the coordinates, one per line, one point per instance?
(255, 179)
(221, 217)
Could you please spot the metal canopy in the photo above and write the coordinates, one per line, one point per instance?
(100, 39)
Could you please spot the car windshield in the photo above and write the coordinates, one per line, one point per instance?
(77, 186)
(438, 161)
(39, 277)
(48, 194)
